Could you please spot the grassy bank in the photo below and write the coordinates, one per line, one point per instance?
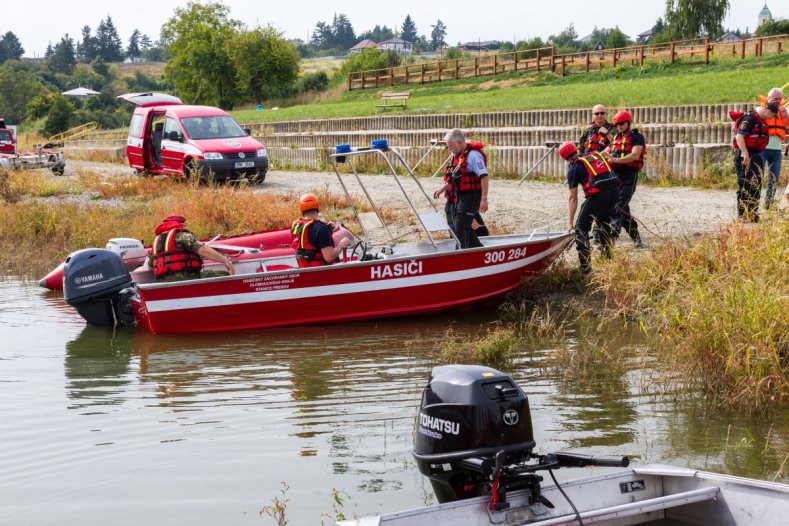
(724, 80)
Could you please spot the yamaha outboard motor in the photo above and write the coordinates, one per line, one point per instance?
(93, 279)
(474, 437)
(469, 415)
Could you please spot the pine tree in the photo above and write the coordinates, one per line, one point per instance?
(10, 47)
(409, 30)
(134, 44)
(63, 58)
(109, 45)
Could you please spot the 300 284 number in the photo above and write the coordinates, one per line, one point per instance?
(501, 255)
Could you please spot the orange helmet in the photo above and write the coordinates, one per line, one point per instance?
(623, 116)
(308, 202)
(566, 150)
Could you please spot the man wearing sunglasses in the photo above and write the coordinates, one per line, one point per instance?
(598, 136)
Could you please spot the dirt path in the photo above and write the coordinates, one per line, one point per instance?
(517, 207)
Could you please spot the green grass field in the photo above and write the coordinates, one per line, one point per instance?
(725, 80)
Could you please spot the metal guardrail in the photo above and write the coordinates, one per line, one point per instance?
(73, 133)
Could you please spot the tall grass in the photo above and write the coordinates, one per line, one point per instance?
(719, 306)
(42, 221)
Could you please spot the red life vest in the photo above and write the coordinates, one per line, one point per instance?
(167, 258)
(757, 139)
(596, 141)
(622, 145)
(600, 175)
(307, 254)
(463, 179)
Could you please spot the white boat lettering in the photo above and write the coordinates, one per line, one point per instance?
(438, 424)
(411, 268)
(79, 280)
(499, 256)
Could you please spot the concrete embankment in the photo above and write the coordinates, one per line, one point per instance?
(681, 139)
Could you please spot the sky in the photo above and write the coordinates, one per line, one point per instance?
(39, 22)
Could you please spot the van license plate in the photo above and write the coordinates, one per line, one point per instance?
(245, 164)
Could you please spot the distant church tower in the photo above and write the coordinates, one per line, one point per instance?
(764, 15)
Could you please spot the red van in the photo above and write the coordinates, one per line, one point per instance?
(168, 137)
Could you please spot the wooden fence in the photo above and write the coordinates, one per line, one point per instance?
(546, 59)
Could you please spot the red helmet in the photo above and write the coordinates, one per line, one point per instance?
(176, 218)
(308, 202)
(567, 150)
(623, 116)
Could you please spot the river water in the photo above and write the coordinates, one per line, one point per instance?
(100, 427)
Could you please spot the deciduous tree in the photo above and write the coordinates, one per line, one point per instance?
(438, 35)
(18, 86)
(693, 18)
(266, 64)
(197, 40)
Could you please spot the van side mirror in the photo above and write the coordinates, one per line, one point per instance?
(174, 136)
(248, 131)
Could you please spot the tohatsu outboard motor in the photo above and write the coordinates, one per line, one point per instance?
(93, 283)
(474, 437)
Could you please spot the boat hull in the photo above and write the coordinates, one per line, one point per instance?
(407, 284)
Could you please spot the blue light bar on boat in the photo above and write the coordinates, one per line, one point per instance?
(342, 148)
(380, 144)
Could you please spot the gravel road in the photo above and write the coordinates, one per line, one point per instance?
(666, 212)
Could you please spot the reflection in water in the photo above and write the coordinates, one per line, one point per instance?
(97, 365)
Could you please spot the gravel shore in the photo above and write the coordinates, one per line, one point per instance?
(665, 212)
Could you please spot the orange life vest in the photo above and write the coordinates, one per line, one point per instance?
(600, 175)
(622, 145)
(167, 258)
(596, 141)
(307, 254)
(463, 179)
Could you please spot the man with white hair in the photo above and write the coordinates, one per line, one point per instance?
(467, 178)
(776, 129)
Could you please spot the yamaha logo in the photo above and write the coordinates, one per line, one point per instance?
(240, 155)
(511, 417)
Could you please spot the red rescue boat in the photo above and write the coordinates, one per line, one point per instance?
(393, 279)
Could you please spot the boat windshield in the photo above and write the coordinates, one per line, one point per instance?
(212, 127)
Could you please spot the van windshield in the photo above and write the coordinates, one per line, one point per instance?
(212, 127)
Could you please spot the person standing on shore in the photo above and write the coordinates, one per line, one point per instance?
(749, 142)
(771, 156)
(625, 154)
(598, 136)
(601, 188)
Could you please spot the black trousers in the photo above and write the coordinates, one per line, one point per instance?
(466, 210)
(622, 219)
(449, 210)
(597, 209)
(749, 186)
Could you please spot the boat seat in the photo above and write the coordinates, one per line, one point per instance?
(638, 507)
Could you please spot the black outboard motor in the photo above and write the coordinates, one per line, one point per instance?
(93, 279)
(469, 413)
(474, 437)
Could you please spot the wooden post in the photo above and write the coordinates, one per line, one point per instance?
(759, 47)
(553, 59)
(613, 58)
(563, 64)
(707, 51)
(457, 68)
(671, 49)
(422, 80)
(641, 56)
(516, 59)
(587, 62)
(496, 64)
(538, 61)
(406, 74)
(364, 83)
(377, 77)
(439, 71)
(349, 81)
(742, 49)
(476, 67)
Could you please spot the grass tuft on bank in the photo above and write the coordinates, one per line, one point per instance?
(718, 304)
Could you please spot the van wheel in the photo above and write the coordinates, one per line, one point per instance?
(142, 173)
(257, 178)
(192, 172)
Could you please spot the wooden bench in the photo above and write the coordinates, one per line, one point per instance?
(394, 100)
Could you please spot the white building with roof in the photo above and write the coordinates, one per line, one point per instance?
(80, 93)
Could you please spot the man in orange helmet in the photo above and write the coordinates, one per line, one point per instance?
(176, 254)
(601, 188)
(312, 238)
(625, 154)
